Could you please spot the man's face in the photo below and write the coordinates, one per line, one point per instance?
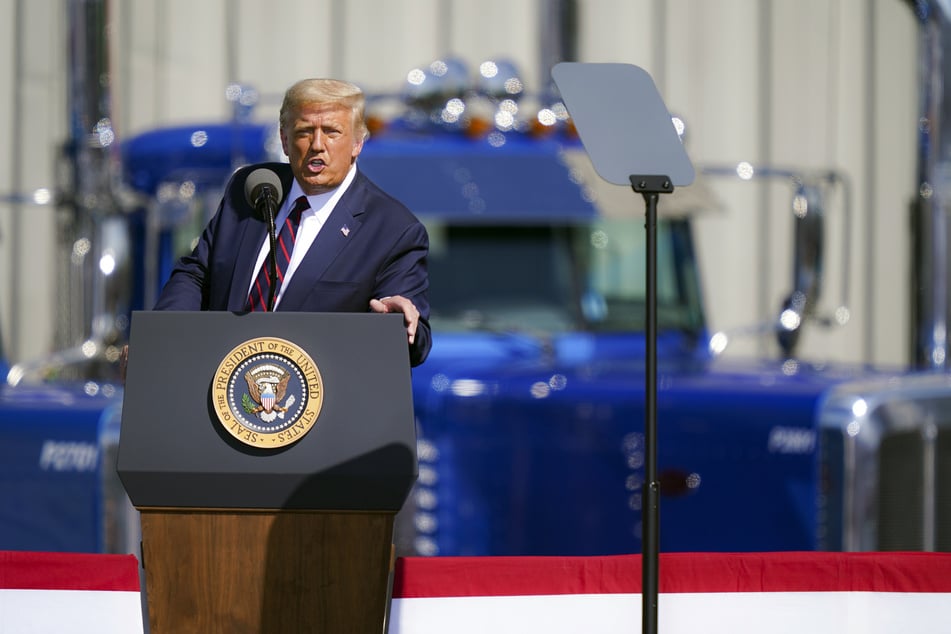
(320, 144)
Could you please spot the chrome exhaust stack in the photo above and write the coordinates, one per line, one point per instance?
(930, 233)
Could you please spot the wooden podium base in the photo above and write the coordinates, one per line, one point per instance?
(241, 572)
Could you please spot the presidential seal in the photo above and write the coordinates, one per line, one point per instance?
(267, 393)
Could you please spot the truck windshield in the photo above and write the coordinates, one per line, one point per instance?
(559, 278)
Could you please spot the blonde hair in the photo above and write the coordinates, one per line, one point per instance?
(321, 91)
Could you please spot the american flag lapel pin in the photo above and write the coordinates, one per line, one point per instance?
(345, 230)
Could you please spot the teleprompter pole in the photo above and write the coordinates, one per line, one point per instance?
(650, 187)
(629, 135)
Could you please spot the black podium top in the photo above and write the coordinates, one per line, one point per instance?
(357, 453)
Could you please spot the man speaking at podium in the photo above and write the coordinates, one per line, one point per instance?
(341, 244)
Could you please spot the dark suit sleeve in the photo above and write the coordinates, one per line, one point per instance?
(405, 273)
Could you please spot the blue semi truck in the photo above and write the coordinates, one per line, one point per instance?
(530, 408)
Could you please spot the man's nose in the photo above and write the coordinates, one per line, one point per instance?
(318, 141)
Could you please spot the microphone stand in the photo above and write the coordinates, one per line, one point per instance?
(267, 201)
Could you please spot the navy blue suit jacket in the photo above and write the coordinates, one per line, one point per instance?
(371, 246)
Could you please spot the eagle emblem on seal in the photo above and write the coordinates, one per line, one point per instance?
(267, 386)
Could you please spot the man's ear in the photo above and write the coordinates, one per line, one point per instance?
(357, 148)
(284, 141)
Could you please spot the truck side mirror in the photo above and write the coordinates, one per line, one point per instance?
(808, 249)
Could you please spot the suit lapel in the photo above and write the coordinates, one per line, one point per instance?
(338, 231)
(253, 236)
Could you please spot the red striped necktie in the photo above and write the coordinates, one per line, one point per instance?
(261, 290)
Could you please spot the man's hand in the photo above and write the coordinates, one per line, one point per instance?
(398, 304)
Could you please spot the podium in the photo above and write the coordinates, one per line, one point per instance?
(268, 454)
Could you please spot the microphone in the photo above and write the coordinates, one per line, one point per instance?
(263, 191)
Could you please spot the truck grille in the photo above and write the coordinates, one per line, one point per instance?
(914, 490)
(885, 466)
